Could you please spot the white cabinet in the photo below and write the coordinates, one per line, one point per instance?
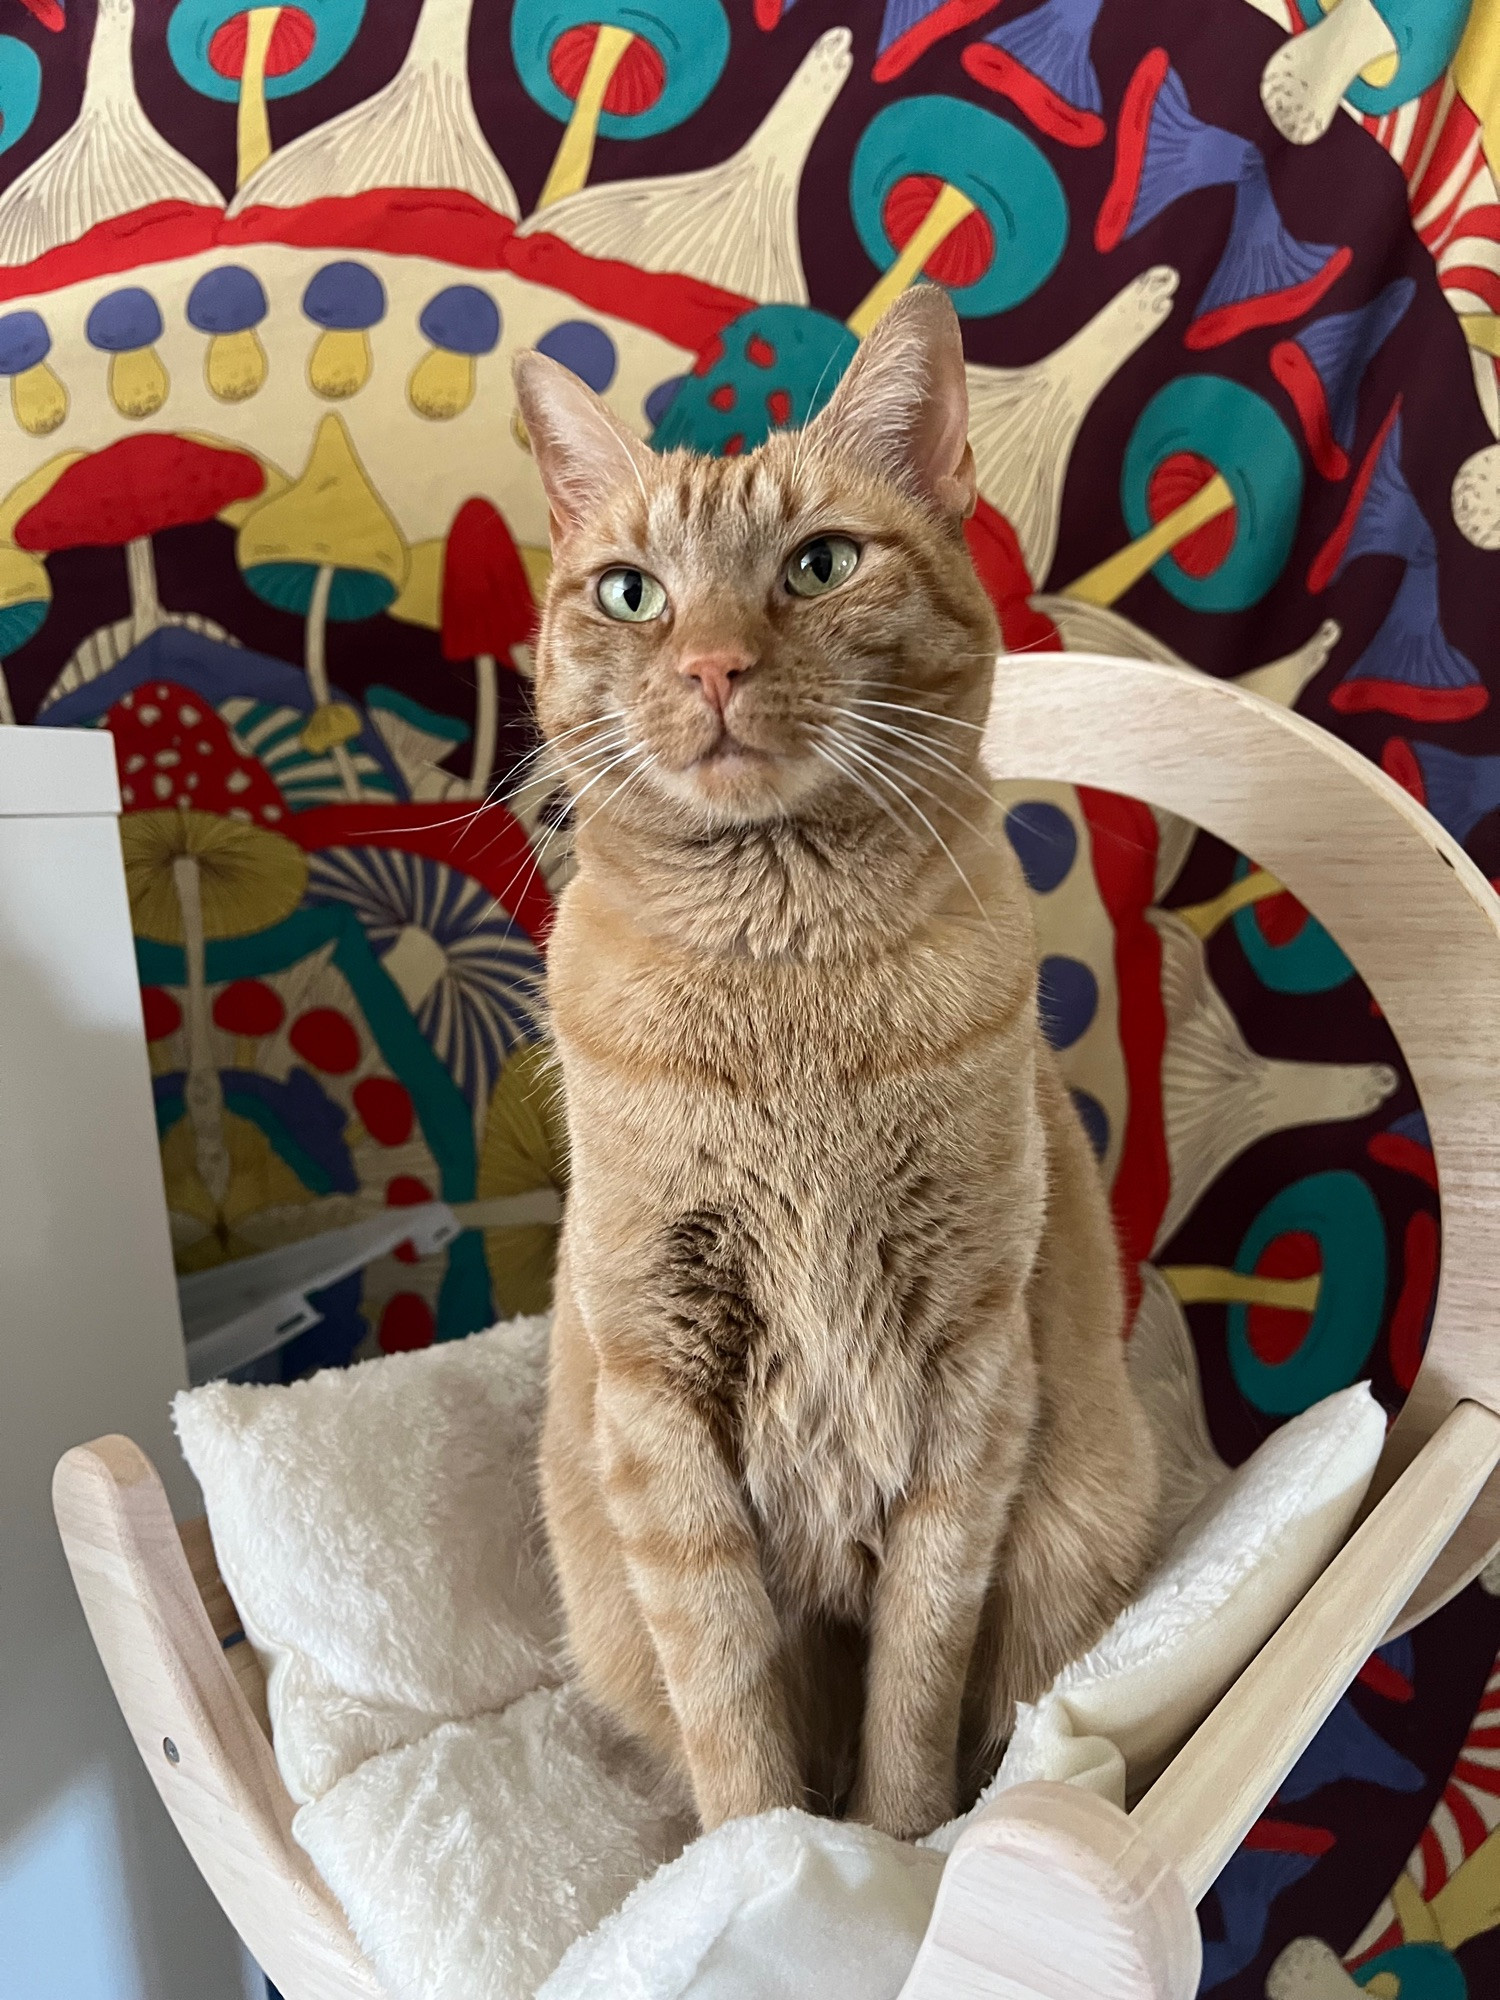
(98, 1899)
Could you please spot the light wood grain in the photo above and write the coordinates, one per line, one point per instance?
(175, 1686)
(1219, 1783)
(1404, 902)
(1053, 1894)
(223, 1616)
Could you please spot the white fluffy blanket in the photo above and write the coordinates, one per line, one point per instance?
(377, 1528)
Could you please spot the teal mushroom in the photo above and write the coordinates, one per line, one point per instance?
(777, 367)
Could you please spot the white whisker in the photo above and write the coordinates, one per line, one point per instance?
(872, 765)
(921, 746)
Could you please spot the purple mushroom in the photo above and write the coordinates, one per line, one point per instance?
(909, 29)
(124, 325)
(346, 300)
(228, 304)
(1266, 275)
(462, 322)
(1409, 668)
(586, 349)
(1042, 64)
(1458, 790)
(38, 399)
(1322, 367)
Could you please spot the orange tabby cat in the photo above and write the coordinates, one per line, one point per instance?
(839, 1449)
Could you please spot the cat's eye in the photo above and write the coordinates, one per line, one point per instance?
(631, 596)
(821, 565)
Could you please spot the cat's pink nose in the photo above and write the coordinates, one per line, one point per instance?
(715, 674)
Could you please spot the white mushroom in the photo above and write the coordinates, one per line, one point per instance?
(1023, 421)
(1283, 680)
(1305, 80)
(1309, 1969)
(734, 225)
(1096, 628)
(420, 131)
(1476, 498)
(1218, 1096)
(110, 162)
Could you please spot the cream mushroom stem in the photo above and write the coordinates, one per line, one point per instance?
(1214, 1284)
(146, 614)
(7, 712)
(202, 1091)
(315, 658)
(1112, 578)
(570, 167)
(253, 123)
(1476, 498)
(1305, 80)
(937, 225)
(486, 723)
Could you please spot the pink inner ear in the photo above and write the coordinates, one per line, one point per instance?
(904, 404)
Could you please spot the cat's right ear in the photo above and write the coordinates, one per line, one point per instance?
(581, 450)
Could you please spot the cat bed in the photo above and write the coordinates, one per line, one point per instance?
(378, 1529)
(1050, 1891)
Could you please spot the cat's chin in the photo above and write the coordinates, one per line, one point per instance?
(736, 785)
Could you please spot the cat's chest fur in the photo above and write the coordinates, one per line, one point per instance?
(814, 1173)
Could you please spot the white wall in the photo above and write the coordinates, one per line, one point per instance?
(98, 1898)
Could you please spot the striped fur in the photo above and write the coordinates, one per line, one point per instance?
(840, 1460)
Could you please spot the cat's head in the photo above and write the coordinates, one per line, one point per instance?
(731, 641)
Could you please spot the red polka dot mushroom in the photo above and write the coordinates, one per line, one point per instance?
(173, 750)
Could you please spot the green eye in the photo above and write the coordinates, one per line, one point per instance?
(821, 565)
(631, 596)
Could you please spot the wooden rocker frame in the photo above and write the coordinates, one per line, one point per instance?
(1052, 1893)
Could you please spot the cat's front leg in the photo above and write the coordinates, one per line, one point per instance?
(938, 1561)
(694, 1567)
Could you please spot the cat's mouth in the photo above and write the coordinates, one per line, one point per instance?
(730, 753)
(734, 777)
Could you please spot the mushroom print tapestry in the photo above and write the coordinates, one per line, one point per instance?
(1229, 277)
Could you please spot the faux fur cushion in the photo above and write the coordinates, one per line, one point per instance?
(377, 1528)
(379, 1531)
(1235, 1569)
(468, 1862)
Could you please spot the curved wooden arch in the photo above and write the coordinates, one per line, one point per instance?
(1407, 906)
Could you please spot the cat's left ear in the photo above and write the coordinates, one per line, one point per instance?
(581, 449)
(903, 405)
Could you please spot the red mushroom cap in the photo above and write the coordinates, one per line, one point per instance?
(487, 601)
(136, 487)
(173, 750)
